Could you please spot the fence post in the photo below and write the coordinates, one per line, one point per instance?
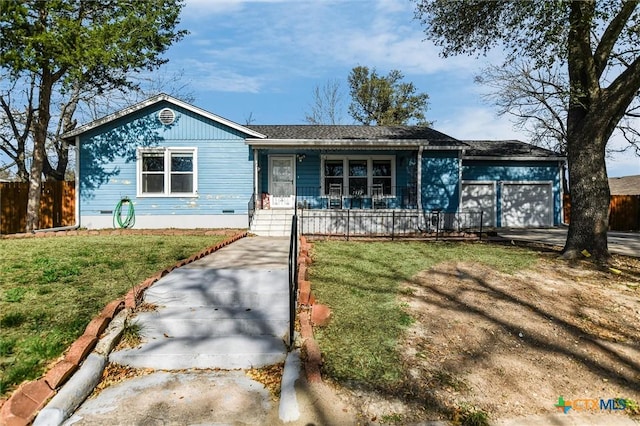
(348, 222)
(393, 224)
(481, 222)
(437, 225)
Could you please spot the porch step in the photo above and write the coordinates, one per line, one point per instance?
(272, 223)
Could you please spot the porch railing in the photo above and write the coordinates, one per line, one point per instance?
(390, 223)
(293, 278)
(391, 197)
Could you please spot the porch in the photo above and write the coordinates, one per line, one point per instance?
(369, 223)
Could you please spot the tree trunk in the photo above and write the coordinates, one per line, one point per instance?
(41, 126)
(589, 195)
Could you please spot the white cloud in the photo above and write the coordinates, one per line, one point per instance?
(211, 76)
(478, 123)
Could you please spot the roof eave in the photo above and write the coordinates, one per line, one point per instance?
(511, 158)
(342, 143)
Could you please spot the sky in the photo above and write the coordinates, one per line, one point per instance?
(259, 61)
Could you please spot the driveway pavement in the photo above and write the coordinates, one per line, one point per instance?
(624, 243)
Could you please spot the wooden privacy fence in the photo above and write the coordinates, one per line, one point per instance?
(624, 212)
(57, 206)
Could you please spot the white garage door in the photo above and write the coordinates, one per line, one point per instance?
(527, 205)
(480, 196)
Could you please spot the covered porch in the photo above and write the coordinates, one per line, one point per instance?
(355, 167)
(336, 180)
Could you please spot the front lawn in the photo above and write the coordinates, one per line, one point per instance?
(470, 331)
(50, 288)
(360, 281)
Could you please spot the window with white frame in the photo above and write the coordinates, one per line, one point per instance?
(167, 171)
(358, 175)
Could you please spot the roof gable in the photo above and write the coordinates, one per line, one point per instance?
(154, 100)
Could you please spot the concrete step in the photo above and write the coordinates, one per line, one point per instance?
(226, 352)
(271, 233)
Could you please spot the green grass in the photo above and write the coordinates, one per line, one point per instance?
(50, 288)
(360, 281)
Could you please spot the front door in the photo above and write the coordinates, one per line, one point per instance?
(281, 178)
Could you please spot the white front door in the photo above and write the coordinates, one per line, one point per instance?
(281, 181)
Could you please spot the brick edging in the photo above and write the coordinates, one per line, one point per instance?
(93, 232)
(311, 313)
(30, 397)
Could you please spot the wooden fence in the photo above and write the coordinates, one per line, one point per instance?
(57, 206)
(624, 212)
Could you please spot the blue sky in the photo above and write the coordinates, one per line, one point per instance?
(263, 58)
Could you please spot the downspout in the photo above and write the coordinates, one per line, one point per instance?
(76, 196)
(562, 188)
(460, 155)
(419, 177)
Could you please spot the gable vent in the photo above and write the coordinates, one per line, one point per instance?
(166, 116)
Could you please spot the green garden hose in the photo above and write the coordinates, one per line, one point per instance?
(129, 220)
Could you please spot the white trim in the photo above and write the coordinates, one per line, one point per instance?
(345, 167)
(409, 144)
(156, 99)
(166, 152)
(77, 178)
(494, 184)
(548, 183)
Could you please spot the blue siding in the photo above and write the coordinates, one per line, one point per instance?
(517, 171)
(108, 164)
(440, 180)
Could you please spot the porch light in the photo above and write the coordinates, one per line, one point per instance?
(301, 157)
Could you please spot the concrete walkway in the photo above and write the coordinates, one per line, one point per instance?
(624, 243)
(228, 310)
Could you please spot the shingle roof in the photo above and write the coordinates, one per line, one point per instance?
(507, 148)
(397, 134)
(626, 185)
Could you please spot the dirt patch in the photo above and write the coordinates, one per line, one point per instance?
(510, 345)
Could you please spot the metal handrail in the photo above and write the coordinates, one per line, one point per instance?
(293, 278)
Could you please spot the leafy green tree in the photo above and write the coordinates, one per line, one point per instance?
(385, 100)
(599, 42)
(68, 48)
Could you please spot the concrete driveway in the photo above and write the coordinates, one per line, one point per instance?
(624, 243)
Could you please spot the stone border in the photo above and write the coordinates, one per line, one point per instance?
(311, 314)
(23, 405)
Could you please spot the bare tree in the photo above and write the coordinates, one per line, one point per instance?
(328, 104)
(537, 99)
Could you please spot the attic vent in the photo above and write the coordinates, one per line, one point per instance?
(166, 116)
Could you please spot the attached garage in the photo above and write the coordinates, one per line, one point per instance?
(526, 204)
(480, 196)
